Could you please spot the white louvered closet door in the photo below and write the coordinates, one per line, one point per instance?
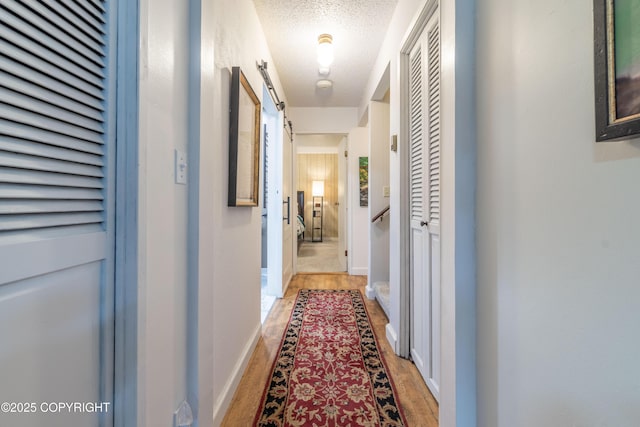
(424, 185)
(56, 208)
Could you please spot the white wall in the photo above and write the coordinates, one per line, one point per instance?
(201, 279)
(323, 120)
(400, 22)
(164, 59)
(226, 274)
(558, 263)
(239, 41)
(379, 148)
(358, 221)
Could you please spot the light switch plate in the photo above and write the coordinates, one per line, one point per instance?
(394, 143)
(385, 191)
(181, 167)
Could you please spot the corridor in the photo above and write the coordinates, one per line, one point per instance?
(417, 403)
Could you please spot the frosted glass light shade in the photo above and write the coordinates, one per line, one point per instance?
(325, 50)
(317, 188)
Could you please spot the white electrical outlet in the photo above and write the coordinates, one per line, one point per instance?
(385, 191)
(181, 167)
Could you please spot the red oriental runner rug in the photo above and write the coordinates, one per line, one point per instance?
(329, 371)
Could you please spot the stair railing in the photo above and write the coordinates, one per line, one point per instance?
(380, 215)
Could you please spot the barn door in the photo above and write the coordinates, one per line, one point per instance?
(275, 156)
(56, 210)
(424, 185)
(288, 206)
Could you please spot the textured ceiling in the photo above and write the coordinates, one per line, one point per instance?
(292, 28)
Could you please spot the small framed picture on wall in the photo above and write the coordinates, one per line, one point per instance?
(363, 163)
(617, 68)
(244, 142)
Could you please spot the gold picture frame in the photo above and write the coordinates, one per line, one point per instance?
(617, 68)
(244, 142)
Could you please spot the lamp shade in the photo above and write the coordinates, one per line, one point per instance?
(317, 188)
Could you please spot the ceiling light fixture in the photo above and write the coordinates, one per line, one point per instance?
(324, 84)
(325, 52)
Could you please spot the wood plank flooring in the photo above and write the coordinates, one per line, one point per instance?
(419, 406)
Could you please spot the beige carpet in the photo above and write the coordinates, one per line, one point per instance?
(319, 257)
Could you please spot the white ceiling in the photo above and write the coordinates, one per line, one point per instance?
(292, 28)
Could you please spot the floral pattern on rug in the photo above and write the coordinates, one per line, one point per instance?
(329, 371)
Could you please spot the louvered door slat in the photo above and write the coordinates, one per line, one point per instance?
(36, 92)
(60, 76)
(21, 176)
(86, 18)
(19, 206)
(41, 192)
(434, 97)
(56, 39)
(18, 130)
(45, 109)
(81, 18)
(72, 26)
(93, 7)
(21, 116)
(52, 129)
(56, 58)
(266, 166)
(21, 146)
(29, 74)
(48, 165)
(416, 175)
(97, 4)
(27, 221)
(434, 123)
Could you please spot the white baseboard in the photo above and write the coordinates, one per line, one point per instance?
(370, 292)
(392, 337)
(359, 271)
(222, 404)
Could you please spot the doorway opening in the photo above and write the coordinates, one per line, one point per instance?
(271, 238)
(321, 185)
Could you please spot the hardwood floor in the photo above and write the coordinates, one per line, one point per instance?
(419, 406)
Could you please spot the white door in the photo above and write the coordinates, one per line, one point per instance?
(424, 176)
(289, 208)
(274, 155)
(56, 211)
(342, 204)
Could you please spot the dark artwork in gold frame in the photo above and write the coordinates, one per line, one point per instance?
(617, 68)
(244, 142)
